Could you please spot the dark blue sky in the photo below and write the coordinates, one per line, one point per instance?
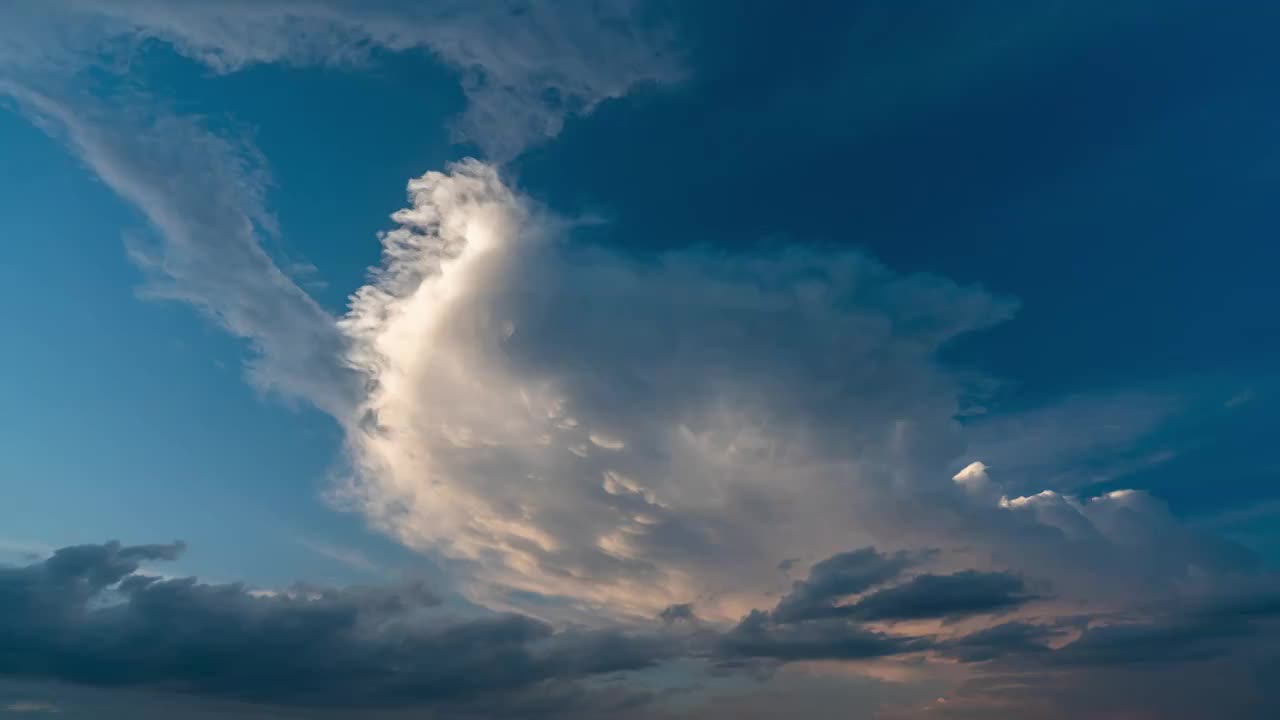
(1114, 173)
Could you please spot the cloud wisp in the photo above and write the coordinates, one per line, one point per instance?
(204, 195)
(524, 71)
(525, 66)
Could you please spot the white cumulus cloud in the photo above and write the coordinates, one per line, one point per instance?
(633, 433)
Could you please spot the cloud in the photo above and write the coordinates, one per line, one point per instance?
(839, 576)
(525, 68)
(23, 707)
(1154, 660)
(1075, 442)
(758, 406)
(601, 437)
(204, 194)
(349, 557)
(1011, 638)
(766, 405)
(1152, 669)
(967, 592)
(808, 624)
(1194, 623)
(973, 476)
(759, 637)
(762, 405)
(86, 616)
(682, 612)
(525, 65)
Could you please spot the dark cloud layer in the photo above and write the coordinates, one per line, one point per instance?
(998, 641)
(839, 576)
(945, 596)
(924, 596)
(814, 622)
(1208, 656)
(757, 636)
(90, 615)
(85, 615)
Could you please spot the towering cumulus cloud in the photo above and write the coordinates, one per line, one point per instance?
(635, 433)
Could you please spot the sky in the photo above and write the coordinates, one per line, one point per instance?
(639, 359)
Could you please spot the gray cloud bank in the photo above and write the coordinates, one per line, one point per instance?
(86, 615)
(89, 615)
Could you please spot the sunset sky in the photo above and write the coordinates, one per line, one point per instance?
(643, 360)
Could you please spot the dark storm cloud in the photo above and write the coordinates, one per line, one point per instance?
(810, 623)
(1212, 656)
(1213, 626)
(86, 616)
(1173, 668)
(1011, 638)
(682, 612)
(924, 596)
(758, 636)
(945, 596)
(838, 576)
(1168, 641)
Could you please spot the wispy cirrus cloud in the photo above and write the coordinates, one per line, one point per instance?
(525, 69)
(30, 707)
(204, 195)
(524, 65)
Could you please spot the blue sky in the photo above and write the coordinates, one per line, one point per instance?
(638, 347)
(169, 437)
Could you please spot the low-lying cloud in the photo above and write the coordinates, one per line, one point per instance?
(94, 615)
(86, 615)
